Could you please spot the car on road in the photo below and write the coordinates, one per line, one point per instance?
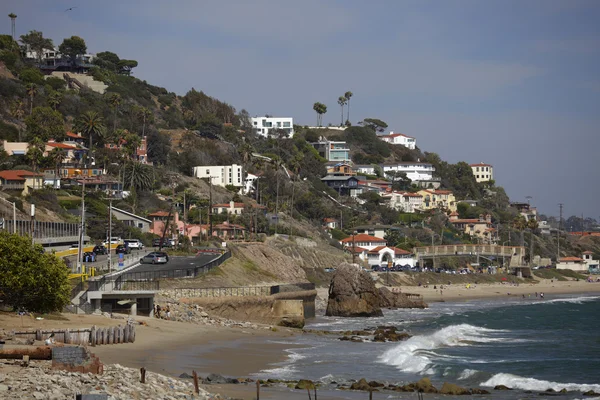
(134, 244)
(156, 257)
(89, 256)
(122, 249)
(100, 250)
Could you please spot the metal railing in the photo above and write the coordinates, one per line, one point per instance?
(136, 285)
(294, 287)
(222, 291)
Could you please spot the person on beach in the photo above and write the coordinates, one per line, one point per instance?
(158, 309)
(542, 295)
(50, 341)
(168, 313)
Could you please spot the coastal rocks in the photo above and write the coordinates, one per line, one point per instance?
(389, 334)
(453, 389)
(389, 299)
(352, 293)
(501, 387)
(304, 384)
(292, 322)
(364, 385)
(219, 380)
(39, 381)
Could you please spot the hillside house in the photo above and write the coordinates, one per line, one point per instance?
(526, 210)
(377, 230)
(265, 125)
(330, 223)
(339, 169)
(583, 264)
(482, 172)
(435, 198)
(405, 201)
(131, 219)
(401, 139)
(332, 151)
(389, 256)
(221, 175)
(344, 185)
(416, 171)
(235, 208)
(21, 180)
(141, 152)
(480, 228)
(365, 169)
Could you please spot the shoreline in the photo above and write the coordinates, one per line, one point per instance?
(460, 292)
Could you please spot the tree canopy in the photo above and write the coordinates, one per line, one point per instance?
(36, 42)
(73, 47)
(30, 278)
(45, 123)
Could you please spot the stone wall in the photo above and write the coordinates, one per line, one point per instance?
(75, 359)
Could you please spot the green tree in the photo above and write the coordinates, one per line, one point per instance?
(36, 42)
(132, 142)
(31, 75)
(30, 278)
(35, 152)
(32, 91)
(114, 101)
(348, 95)
(73, 47)
(342, 102)
(138, 177)
(375, 124)
(125, 66)
(45, 123)
(56, 157)
(54, 99)
(91, 124)
(320, 109)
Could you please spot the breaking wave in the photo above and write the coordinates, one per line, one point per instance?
(518, 382)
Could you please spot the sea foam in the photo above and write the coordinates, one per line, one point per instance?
(518, 382)
(415, 354)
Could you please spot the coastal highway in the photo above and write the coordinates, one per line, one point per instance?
(176, 267)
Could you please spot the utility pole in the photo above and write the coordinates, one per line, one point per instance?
(209, 211)
(560, 205)
(353, 247)
(81, 228)
(109, 234)
(184, 215)
(32, 227)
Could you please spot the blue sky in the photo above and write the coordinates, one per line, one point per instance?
(512, 83)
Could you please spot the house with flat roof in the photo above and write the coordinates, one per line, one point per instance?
(585, 263)
(332, 150)
(344, 185)
(235, 208)
(21, 180)
(265, 125)
(221, 175)
(377, 230)
(416, 171)
(481, 228)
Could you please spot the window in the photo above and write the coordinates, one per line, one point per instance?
(140, 225)
(279, 124)
(208, 172)
(255, 123)
(286, 125)
(477, 169)
(486, 169)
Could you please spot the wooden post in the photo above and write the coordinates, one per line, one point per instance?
(308, 391)
(315, 392)
(370, 394)
(195, 376)
(132, 334)
(93, 336)
(143, 373)
(257, 390)
(126, 334)
(111, 335)
(38, 335)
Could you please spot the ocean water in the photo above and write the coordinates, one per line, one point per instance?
(527, 344)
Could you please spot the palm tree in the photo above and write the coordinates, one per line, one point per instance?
(520, 224)
(132, 142)
(91, 123)
(114, 101)
(56, 156)
(145, 114)
(54, 99)
(347, 95)
(32, 91)
(35, 152)
(17, 111)
(321, 109)
(140, 177)
(342, 102)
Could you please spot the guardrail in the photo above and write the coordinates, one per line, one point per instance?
(136, 285)
(222, 291)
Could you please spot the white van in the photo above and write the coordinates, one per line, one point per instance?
(134, 244)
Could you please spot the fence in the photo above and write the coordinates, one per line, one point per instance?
(84, 336)
(221, 292)
(294, 287)
(135, 285)
(46, 230)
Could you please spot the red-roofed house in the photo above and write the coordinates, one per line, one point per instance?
(362, 240)
(22, 180)
(388, 256)
(481, 228)
(330, 223)
(483, 172)
(583, 264)
(400, 138)
(141, 153)
(405, 201)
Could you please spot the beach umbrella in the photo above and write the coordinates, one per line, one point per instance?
(503, 279)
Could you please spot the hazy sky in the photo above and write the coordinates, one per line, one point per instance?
(512, 83)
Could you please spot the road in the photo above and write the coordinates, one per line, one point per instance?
(177, 267)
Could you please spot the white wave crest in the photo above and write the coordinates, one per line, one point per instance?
(467, 373)
(414, 354)
(518, 382)
(573, 300)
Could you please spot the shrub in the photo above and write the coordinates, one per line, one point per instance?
(31, 75)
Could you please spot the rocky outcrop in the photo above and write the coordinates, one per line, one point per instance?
(352, 293)
(391, 299)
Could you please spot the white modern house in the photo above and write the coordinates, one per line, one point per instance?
(221, 175)
(483, 172)
(264, 125)
(387, 256)
(414, 170)
(365, 169)
(249, 183)
(401, 139)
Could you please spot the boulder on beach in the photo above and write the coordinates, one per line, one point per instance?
(305, 384)
(352, 293)
(389, 299)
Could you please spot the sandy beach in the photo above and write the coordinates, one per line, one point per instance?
(460, 292)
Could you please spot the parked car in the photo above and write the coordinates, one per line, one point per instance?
(89, 256)
(165, 242)
(122, 249)
(375, 267)
(134, 244)
(113, 240)
(156, 257)
(100, 249)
